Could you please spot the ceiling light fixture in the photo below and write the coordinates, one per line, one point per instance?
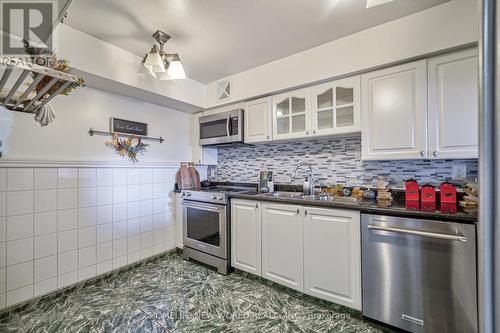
(176, 69)
(165, 76)
(145, 69)
(162, 65)
(374, 3)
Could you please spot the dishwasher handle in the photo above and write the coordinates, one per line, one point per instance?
(457, 237)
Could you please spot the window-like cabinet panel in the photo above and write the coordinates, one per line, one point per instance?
(291, 114)
(336, 107)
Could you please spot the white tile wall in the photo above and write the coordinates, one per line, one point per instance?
(19, 179)
(59, 226)
(3, 179)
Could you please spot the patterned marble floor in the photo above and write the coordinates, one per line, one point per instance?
(172, 295)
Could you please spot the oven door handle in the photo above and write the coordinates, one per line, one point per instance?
(213, 208)
(228, 131)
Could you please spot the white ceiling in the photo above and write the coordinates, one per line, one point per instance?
(218, 38)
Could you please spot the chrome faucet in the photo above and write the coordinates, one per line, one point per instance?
(308, 184)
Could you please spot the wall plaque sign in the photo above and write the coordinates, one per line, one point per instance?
(129, 127)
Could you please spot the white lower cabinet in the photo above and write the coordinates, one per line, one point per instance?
(282, 245)
(332, 255)
(178, 221)
(313, 250)
(246, 236)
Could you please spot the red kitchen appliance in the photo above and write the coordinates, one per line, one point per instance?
(412, 205)
(428, 193)
(412, 190)
(448, 193)
(428, 207)
(448, 208)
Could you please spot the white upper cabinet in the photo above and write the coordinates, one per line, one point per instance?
(454, 105)
(246, 236)
(258, 120)
(332, 255)
(336, 107)
(291, 114)
(282, 245)
(394, 112)
(201, 155)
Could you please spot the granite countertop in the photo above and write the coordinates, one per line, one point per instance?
(452, 213)
(397, 207)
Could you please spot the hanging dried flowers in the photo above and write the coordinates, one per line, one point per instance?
(46, 58)
(130, 146)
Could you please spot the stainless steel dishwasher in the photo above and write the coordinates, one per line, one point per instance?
(419, 275)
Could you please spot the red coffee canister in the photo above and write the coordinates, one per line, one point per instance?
(412, 190)
(428, 193)
(448, 193)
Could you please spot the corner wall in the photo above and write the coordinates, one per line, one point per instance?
(71, 208)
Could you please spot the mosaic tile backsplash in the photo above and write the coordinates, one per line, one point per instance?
(334, 160)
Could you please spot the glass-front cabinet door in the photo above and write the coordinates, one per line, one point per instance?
(291, 114)
(336, 107)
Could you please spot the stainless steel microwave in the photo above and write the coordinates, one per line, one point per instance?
(222, 128)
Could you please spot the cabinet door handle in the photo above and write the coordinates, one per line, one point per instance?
(435, 153)
(305, 212)
(256, 205)
(298, 211)
(268, 137)
(422, 153)
(314, 132)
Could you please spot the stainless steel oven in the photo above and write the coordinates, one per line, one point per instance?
(222, 128)
(205, 228)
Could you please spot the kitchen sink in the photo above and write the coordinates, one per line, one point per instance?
(279, 194)
(316, 197)
(330, 198)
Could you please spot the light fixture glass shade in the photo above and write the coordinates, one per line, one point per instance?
(165, 76)
(155, 61)
(145, 69)
(176, 70)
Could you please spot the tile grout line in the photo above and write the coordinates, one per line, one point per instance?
(83, 314)
(125, 297)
